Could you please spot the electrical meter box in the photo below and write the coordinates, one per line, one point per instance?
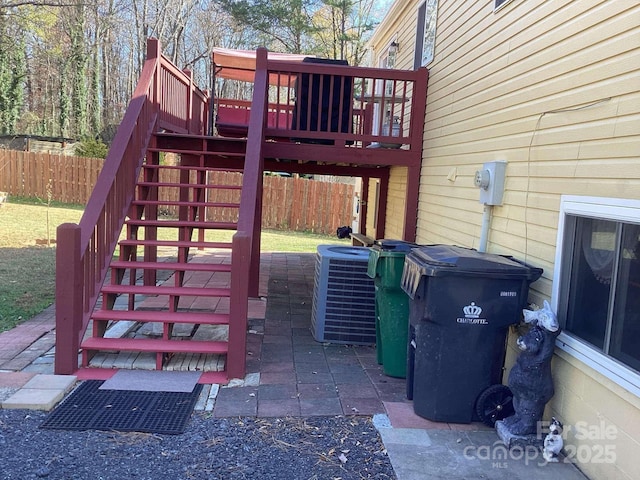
(490, 181)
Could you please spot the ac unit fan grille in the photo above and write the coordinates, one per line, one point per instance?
(343, 299)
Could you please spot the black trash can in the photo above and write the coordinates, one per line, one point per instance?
(461, 305)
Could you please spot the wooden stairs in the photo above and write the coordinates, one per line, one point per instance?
(169, 212)
(182, 322)
(158, 302)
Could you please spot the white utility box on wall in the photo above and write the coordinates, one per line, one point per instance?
(490, 180)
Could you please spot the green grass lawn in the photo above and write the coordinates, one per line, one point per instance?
(27, 262)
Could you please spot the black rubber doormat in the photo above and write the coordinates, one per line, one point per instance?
(89, 408)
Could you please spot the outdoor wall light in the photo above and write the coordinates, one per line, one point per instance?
(392, 51)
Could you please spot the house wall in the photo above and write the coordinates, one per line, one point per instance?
(372, 199)
(553, 89)
(396, 201)
(400, 26)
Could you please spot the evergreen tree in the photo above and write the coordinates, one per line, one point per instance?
(65, 101)
(12, 73)
(78, 63)
(283, 25)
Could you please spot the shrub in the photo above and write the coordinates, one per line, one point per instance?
(92, 148)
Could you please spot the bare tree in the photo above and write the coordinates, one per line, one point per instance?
(343, 27)
(81, 59)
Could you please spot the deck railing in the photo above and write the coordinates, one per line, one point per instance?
(182, 108)
(232, 116)
(338, 105)
(165, 97)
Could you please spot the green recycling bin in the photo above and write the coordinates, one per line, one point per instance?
(386, 263)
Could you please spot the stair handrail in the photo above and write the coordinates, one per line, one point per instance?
(246, 240)
(84, 250)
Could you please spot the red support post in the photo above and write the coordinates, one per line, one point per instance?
(153, 51)
(260, 95)
(411, 204)
(254, 275)
(381, 219)
(413, 170)
(203, 196)
(418, 110)
(151, 213)
(189, 121)
(245, 262)
(239, 307)
(364, 204)
(69, 298)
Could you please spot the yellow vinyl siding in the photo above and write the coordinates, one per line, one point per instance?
(493, 89)
(372, 197)
(400, 27)
(553, 88)
(589, 397)
(396, 203)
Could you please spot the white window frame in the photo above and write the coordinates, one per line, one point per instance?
(420, 60)
(616, 209)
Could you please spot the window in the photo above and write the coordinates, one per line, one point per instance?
(597, 284)
(426, 33)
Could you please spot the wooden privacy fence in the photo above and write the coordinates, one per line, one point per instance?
(30, 174)
(306, 205)
(288, 203)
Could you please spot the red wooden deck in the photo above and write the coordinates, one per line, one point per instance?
(320, 119)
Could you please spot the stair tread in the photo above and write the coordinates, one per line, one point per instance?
(188, 167)
(183, 223)
(204, 318)
(154, 345)
(166, 290)
(189, 185)
(189, 151)
(192, 267)
(93, 373)
(177, 203)
(175, 243)
(198, 136)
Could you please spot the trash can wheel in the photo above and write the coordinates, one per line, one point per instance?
(494, 403)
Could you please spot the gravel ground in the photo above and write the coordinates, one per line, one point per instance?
(211, 448)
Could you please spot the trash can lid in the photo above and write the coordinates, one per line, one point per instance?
(385, 250)
(391, 245)
(441, 260)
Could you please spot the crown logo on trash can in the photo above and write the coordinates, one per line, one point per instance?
(472, 311)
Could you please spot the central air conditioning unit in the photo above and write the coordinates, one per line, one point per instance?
(344, 305)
